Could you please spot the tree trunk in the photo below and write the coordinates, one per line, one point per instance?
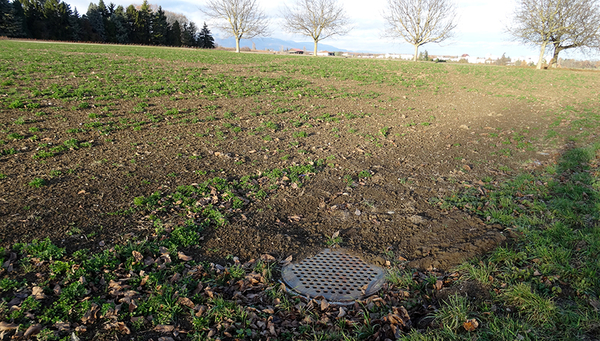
(554, 59)
(237, 44)
(416, 53)
(542, 52)
(315, 53)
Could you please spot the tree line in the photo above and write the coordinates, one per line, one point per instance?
(145, 24)
(559, 24)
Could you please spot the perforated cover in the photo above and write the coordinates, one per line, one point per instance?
(334, 275)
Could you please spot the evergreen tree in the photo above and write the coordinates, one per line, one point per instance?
(74, 23)
(131, 14)
(205, 39)
(119, 20)
(142, 23)
(102, 9)
(160, 28)
(174, 35)
(188, 35)
(12, 19)
(94, 15)
(34, 18)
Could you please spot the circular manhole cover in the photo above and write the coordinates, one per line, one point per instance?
(334, 275)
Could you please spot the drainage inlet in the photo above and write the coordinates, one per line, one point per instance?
(334, 275)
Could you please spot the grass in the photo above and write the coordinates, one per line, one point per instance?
(545, 279)
(542, 284)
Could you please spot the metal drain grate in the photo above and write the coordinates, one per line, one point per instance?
(335, 275)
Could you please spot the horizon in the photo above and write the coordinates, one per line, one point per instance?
(480, 30)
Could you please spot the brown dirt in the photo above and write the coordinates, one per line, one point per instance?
(384, 217)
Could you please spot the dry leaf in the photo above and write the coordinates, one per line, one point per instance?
(38, 293)
(471, 325)
(62, 326)
(123, 328)
(7, 326)
(439, 284)
(175, 278)
(186, 302)
(201, 310)
(342, 313)
(267, 258)
(335, 235)
(165, 338)
(161, 328)
(183, 257)
(74, 337)
(269, 311)
(138, 256)
(324, 305)
(32, 330)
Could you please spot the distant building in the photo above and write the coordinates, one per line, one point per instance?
(295, 51)
(325, 53)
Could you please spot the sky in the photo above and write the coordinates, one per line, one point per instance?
(480, 30)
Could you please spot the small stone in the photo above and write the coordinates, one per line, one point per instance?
(417, 219)
(357, 212)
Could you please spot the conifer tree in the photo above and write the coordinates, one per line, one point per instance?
(174, 35)
(159, 28)
(205, 39)
(94, 15)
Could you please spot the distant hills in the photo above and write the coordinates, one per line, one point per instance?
(276, 44)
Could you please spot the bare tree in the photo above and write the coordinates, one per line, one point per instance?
(317, 19)
(419, 22)
(563, 24)
(238, 18)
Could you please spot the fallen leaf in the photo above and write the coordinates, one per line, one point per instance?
(7, 326)
(161, 328)
(471, 325)
(186, 302)
(201, 310)
(62, 326)
(267, 258)
(138, 256)
(32, 330)
(38, 293)
(183, 257)
(324, 305)
(439, 284)
(123, 328)
(74, 337)
(342, 313)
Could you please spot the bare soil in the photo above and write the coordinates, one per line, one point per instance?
(433, 145)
